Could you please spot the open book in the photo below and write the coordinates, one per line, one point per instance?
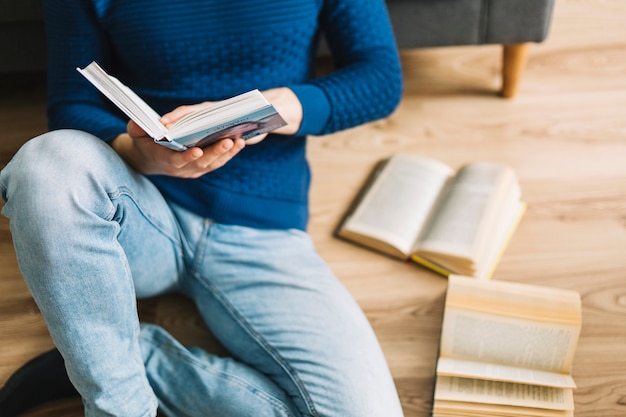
(243, 116)
(506, 349)
(451, 222)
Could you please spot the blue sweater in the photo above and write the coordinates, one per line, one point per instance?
(188, 51)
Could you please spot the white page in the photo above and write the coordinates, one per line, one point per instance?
(126, 100)
(400, 200)
(503, 393)
(483, 370)
(470, 203)
(219, 112)
(480, 337)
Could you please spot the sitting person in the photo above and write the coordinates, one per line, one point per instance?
(101, 215)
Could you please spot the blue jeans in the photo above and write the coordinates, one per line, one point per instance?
(91, 236)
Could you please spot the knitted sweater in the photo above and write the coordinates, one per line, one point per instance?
(189, 51)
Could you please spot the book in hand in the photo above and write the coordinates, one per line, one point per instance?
(506, 349)
(243, 116)
(453, 222)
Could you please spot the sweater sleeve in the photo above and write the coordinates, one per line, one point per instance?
(75, 38)
(367, 82)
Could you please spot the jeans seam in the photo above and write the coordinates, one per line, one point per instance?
(263, 344)
(124, 192)
(256, 391)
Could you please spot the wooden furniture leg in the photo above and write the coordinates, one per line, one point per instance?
(514, 59)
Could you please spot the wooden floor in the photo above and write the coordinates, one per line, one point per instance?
(564, 134)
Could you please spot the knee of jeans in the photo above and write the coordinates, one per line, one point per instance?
(55, 159)
(55, 163)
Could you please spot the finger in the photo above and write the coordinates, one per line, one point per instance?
(256, 139)
(134, 129)
(215, 156)
(180, 112)
(180, 160)
(214, 152)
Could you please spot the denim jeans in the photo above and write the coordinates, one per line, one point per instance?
(91, 235)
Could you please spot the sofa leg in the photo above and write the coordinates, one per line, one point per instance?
(514, 59)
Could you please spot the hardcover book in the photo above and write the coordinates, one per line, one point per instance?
(420, 209)
(506, 349)
(243, 116)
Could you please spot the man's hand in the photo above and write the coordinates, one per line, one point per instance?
(283, 99)
(288, 105)
(149, 158)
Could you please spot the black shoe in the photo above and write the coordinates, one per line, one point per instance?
(39, 381)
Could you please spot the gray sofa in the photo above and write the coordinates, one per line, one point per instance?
(514, 24)
(417, 24)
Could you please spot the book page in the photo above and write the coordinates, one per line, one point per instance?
(219, 112)
(482, 370)
(480, 337)
(472, 203)
(504, 393)
(446, 408)
(125, 99)
(537, 303)
(399, 201)
(502, 234)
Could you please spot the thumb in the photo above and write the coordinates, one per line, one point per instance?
(134, 129)
(256, 139)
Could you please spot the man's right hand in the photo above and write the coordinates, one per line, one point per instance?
(149, 158)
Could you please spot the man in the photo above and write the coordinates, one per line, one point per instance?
(101, 215)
